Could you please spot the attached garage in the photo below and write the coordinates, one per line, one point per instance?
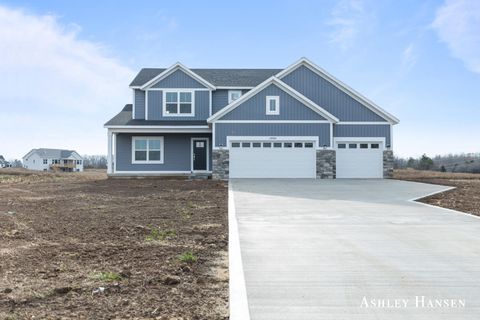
(273, 158)
(359, 159)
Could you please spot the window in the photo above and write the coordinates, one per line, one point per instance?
(363, 145)
(273, 105)
(267, 144)
(277, 144)
(298, 145)
(55, 161)
(79, 161)
(147, 150)
(235, 144)
(65, 161)
(234, 95)
(178, 103)
(287, 145)
(308, 144)
(246, 145)
(352, 146)
(256, 144)
(375, 146)
(45, 161)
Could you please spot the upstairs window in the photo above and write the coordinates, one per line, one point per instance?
(273, 105)
(178, 103)
(45, 161)
(234, 95)
(147, 150)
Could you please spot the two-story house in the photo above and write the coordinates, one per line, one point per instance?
(298, 122)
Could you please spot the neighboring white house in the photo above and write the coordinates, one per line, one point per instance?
(53, 159)
(4, 163)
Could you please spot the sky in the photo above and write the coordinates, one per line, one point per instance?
(65, 66)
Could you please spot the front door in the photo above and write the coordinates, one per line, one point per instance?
(199, 154)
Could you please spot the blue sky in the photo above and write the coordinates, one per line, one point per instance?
(66, 65)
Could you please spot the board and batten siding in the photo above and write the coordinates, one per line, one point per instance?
(329, 96)
(139, 104)
(220, 99)
(254, 108)
(176, 157)
(155, 106)
(321, 130)
(362, 130)
(178, 79)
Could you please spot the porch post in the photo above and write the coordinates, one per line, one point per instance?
(109, 153)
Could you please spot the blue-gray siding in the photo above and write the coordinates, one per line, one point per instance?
(255, 108)
(220, 99)
(178, 79)
(328, 96)
(202, 106)
(177, 152)
(362, 131)
(222, 130)
(139, 104)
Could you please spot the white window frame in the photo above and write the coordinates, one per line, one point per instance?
(230, 100)
(177, 91)
(162, 150)
(277, 104)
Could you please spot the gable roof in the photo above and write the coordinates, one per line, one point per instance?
(220, 78)
(340, 85)
(52, 153)
(282, 85)
(172, 69)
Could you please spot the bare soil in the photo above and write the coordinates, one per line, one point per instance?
(81, 246)
(465, 197)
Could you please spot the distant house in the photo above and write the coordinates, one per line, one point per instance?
(4, 163)
(53, 160)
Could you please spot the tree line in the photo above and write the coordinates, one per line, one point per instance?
(465, 162)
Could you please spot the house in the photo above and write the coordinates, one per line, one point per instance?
(297, 122)
(43, 159)
(4, 163)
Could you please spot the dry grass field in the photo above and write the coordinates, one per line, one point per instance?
(465, 197)
(81, 246)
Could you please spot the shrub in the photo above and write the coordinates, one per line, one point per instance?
(188, 257)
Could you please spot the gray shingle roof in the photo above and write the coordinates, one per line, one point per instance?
(125, 118)
(53, 153)
(217, 77)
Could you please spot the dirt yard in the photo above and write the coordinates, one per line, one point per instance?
(466, 196)
(80, 246)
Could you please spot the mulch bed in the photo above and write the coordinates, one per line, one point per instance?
(83, 246)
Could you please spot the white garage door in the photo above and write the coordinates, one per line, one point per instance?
(359, 159)
(272, 159)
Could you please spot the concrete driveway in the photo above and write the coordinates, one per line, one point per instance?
(355, 249)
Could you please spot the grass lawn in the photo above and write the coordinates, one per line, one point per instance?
(465, 197)
(79, 245)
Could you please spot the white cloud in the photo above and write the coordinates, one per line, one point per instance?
(56, 90)
(409, 57)
(458, 25)
(348, 19)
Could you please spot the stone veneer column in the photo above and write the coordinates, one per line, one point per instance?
(388, 164)
(326, 164)
(220, 164)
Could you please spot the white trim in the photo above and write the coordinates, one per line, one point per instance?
(331, 135)
(133, 173)
(210, 105)
(391, 137)
(272, 121)
(157, 127)
(292, 92)
(363, 123)
(161, 130)
(173, 89)
(213, 136)
(238, 302)
(147, 138)
(230, 139)
(381, 140)
(172, 69)
(191, 153)
(269, 112)
(146, 104)
(233, 91)
(178, 91)
(109, 151)
(133, 105)
(233, 88)
(340, 85)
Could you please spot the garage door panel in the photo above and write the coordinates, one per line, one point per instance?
(272, 162)
(359, 163)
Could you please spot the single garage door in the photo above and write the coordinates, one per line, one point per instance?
(272, 159)
(359, 159)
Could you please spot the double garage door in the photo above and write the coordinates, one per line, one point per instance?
(297, 159)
